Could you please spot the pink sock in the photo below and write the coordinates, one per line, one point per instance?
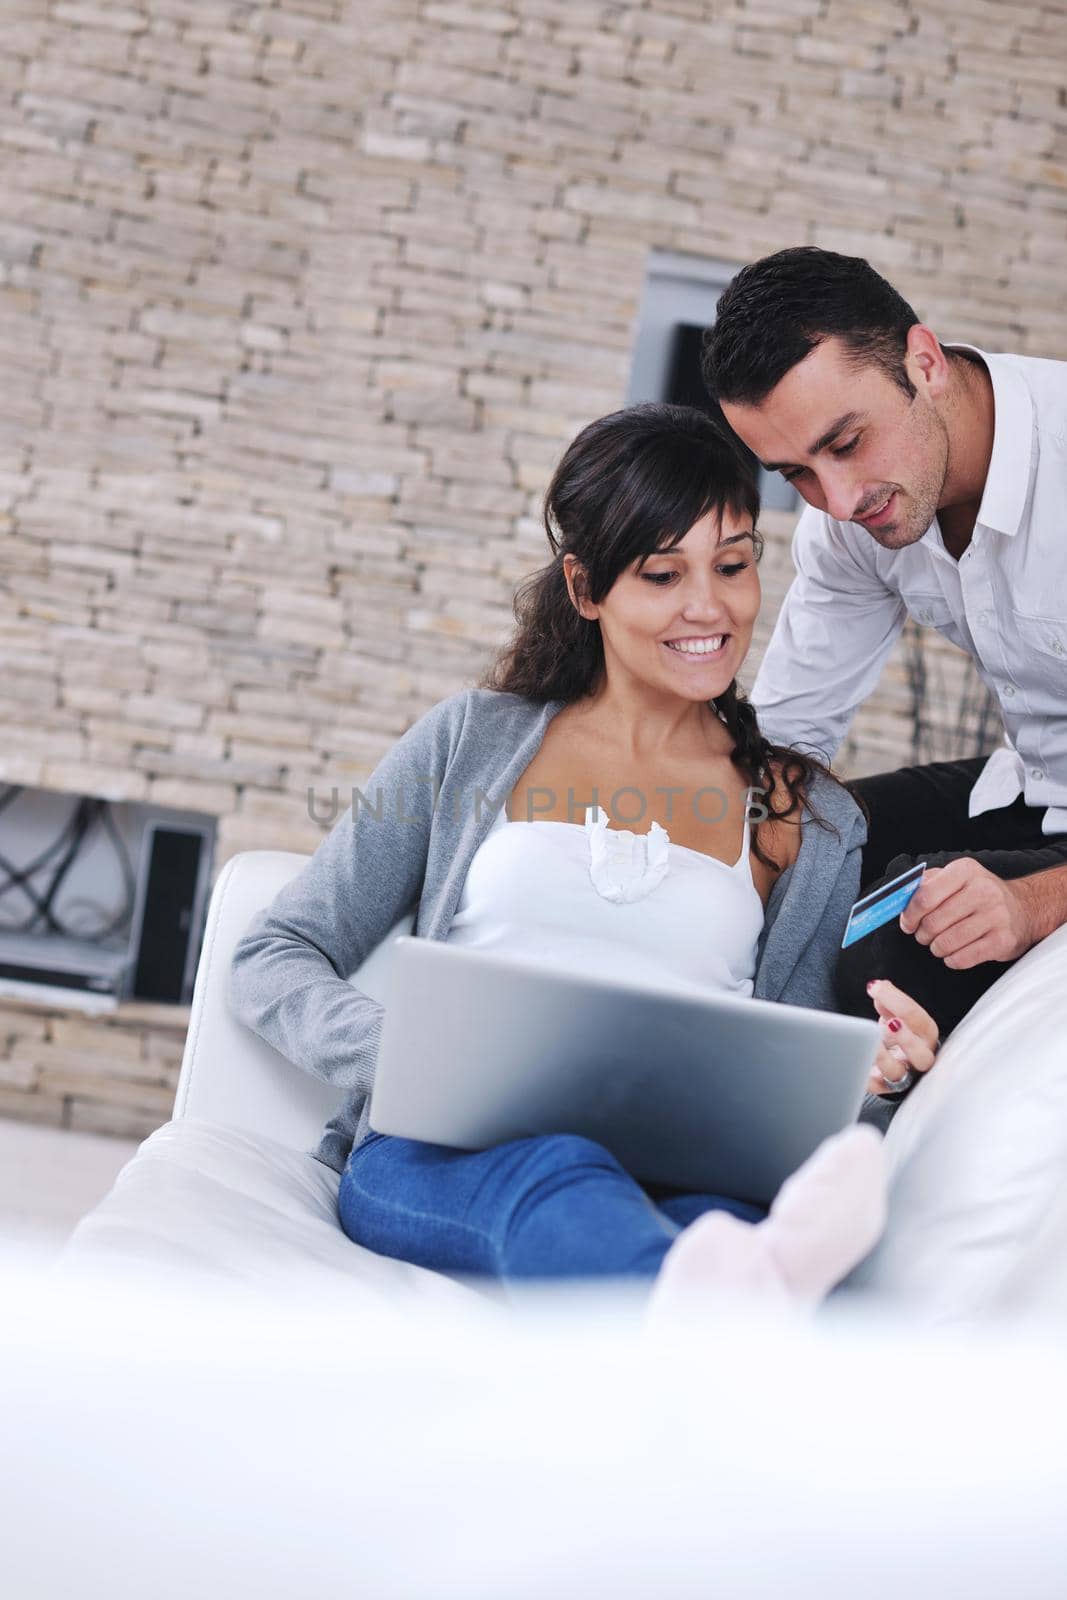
(824, 1220)
(830, 1213)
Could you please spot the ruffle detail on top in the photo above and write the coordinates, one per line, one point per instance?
(625, 866)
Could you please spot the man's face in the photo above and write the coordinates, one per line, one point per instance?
(852, 442)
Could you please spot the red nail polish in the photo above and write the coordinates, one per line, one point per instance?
(894, 1024)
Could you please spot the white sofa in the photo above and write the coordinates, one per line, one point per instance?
(226, 1397)
(978, 1206)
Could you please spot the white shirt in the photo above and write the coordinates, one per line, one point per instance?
(1004, 602)
(606, 901)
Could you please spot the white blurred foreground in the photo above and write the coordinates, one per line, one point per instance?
(167, 1436)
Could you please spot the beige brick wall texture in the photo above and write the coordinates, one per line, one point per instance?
(299, 303)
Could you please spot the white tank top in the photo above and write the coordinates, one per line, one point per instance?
(605, 901)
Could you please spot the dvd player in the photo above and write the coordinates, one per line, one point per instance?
(54, 962)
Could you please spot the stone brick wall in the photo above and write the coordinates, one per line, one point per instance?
(300, 301)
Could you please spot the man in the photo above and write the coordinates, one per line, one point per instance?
(936, 487)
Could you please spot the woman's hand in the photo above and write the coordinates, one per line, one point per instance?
(909, 1037)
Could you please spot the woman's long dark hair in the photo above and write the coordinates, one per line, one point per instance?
(630, 484)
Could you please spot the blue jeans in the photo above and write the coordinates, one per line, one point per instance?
(552, 1206)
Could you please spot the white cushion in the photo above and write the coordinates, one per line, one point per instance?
(217, 1202)
(978, 1200)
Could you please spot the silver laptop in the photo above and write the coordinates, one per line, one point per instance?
(707, 1093)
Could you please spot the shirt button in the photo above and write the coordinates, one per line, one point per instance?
(1036, 772)
(1057, 648)
(982, 618)
(1009, 690)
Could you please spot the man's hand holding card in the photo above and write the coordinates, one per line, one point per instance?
(967, 915)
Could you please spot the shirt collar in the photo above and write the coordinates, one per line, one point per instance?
(1011, 466)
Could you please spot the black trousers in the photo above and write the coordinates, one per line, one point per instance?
(920, 814)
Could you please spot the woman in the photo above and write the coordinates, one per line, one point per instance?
(590, 805)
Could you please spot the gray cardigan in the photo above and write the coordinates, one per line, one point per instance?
(406, 843)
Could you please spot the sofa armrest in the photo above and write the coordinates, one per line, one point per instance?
(229, 1075)
(978, 1155)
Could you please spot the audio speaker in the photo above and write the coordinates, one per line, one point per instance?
(167, 917)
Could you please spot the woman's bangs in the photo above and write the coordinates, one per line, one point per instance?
(661, 493)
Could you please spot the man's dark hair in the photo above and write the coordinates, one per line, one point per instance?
(777, 310)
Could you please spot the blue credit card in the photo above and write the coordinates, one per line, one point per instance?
(882, 905)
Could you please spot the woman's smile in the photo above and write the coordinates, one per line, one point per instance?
(698, 649)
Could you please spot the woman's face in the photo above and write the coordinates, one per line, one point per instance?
(681, 620)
